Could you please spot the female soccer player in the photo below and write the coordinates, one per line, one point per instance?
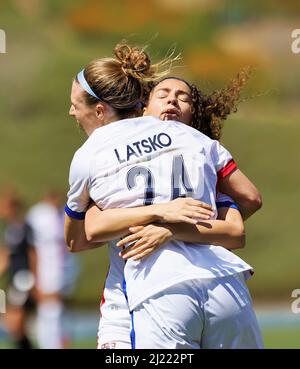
(121, 152)
(168, 100)
(18, 259)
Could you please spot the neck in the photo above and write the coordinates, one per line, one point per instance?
(110, 118)
(91, 128)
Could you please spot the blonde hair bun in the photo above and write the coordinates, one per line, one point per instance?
(134, 62)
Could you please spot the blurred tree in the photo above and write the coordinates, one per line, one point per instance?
(122, 16)
(30, 8)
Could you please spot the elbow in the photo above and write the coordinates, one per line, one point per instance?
(73, 246)
(90, 236)
(90, 231)
(95, 234)
(239, 238)
(254, 201)
(72, 249)
(68, 242)
(241, 242)
(250, 203)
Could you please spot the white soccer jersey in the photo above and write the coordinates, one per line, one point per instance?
(141, 161)
(115, 319)
(56, 268)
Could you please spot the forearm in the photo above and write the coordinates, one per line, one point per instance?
(3, 260)
(75, 236)
(103, 226)
(215, 232)
(33, 260)
(113, 223)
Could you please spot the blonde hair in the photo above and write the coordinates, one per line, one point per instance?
(123, 82)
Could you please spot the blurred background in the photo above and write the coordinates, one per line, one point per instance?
(49, 41)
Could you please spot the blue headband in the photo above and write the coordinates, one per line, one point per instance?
(85, 85)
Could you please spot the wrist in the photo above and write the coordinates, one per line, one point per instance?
(157, 212)
(169, 228)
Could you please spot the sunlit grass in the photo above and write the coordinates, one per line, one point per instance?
(274, 338)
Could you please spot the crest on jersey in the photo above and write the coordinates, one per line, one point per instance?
(109, 345)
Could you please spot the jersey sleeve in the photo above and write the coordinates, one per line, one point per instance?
(78, 195)
(225, 201)
(223, 160)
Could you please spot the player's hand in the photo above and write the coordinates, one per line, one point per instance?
(144, 240)
(184, 209)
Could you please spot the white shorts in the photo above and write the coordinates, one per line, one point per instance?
(208, 314)
(114, 327)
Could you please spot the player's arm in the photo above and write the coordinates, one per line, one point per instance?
(75, 236)
(4, 251)
(4, 259)
(32, 256)
(77, 205)
(227, 231)
(242, 191)
(232, 182)
(101, 226)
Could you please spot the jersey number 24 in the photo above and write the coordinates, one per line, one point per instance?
(179, 177)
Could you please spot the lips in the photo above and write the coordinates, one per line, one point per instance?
(171, 111)
(170, 114)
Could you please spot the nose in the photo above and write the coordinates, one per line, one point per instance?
(172, 99)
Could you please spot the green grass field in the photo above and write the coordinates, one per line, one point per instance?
(273, 339)
(281, 338)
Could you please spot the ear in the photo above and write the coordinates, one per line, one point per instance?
(100, 111)
(145, 110)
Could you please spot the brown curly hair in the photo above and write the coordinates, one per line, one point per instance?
(210, 111)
